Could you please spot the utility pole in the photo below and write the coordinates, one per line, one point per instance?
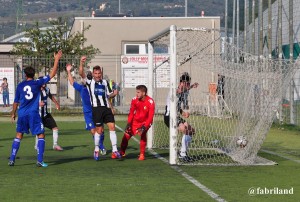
(291, 42)
(186, 6)
(238, 26)
(260, 29)
(19, 15)
(233, 21)
(246, 21)
(279, 29)
(253, 27)
(279, 43)
(270, 28)
(226, 29)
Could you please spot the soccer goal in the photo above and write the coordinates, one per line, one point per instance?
(230, 110)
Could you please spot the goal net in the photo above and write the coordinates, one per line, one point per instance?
(231, 98)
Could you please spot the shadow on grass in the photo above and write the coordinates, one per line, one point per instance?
(68, 160)
(11, 139)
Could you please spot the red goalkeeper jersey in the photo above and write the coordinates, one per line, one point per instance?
(141, 111)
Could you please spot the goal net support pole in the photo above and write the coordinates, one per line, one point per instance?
(173, 98)
(150, 90)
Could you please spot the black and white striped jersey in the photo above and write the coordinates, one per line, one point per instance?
(45, 93)
(99, 92)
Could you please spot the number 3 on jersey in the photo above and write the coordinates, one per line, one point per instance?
(29, 94)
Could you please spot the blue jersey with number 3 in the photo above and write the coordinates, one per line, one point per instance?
(28, 95)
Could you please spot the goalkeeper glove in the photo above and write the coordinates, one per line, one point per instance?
(141, 130)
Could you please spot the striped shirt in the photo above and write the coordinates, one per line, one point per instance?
(99, 92)
(45, 93)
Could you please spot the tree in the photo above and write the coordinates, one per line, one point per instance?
(44, 42)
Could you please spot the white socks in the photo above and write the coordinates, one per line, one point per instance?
(113, 139)
(55, 137)
(185, 143)
(96, 140)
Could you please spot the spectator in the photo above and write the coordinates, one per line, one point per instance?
(5, 91)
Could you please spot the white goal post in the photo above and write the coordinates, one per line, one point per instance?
(231, 98)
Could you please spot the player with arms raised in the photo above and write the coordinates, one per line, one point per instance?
(27, 97)
(139, 120)
(86, 107)
(99, 93)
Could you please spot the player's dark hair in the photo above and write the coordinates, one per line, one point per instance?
(29, 72)
(97, 67)
(142, 88)
(4, 78)
(185, 77)
(89, 75)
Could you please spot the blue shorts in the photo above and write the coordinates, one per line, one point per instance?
(31, 121)
(89, 123)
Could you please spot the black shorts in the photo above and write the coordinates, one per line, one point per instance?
(102, 115)
(167, 120)
(49, 122)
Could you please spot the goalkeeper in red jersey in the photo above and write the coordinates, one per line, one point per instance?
(139, 120)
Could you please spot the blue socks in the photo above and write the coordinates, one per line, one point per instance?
(101, 146)
(40, 149)
(14, 149)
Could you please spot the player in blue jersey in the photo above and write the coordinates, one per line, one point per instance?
(27, 98)
(87, 111)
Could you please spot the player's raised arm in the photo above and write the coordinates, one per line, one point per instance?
(81, 70)
(57, 57)
(70, 77)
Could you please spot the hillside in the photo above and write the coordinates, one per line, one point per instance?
(29, 11)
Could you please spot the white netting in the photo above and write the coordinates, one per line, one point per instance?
(233, 107)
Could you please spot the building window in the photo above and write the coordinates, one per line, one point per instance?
(160, 49)
(132, 49)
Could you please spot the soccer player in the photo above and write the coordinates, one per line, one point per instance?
(87, 110)
(100, 92)
(27, 97)
(183, 90)
(139, 120)
(182, 125)
(47, 118)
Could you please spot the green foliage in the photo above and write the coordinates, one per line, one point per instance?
(56, 37)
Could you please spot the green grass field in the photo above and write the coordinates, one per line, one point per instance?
(73, 175)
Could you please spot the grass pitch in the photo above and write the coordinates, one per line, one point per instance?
(74, 175)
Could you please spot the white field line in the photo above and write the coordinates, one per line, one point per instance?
(184, 174)
(276, 154)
